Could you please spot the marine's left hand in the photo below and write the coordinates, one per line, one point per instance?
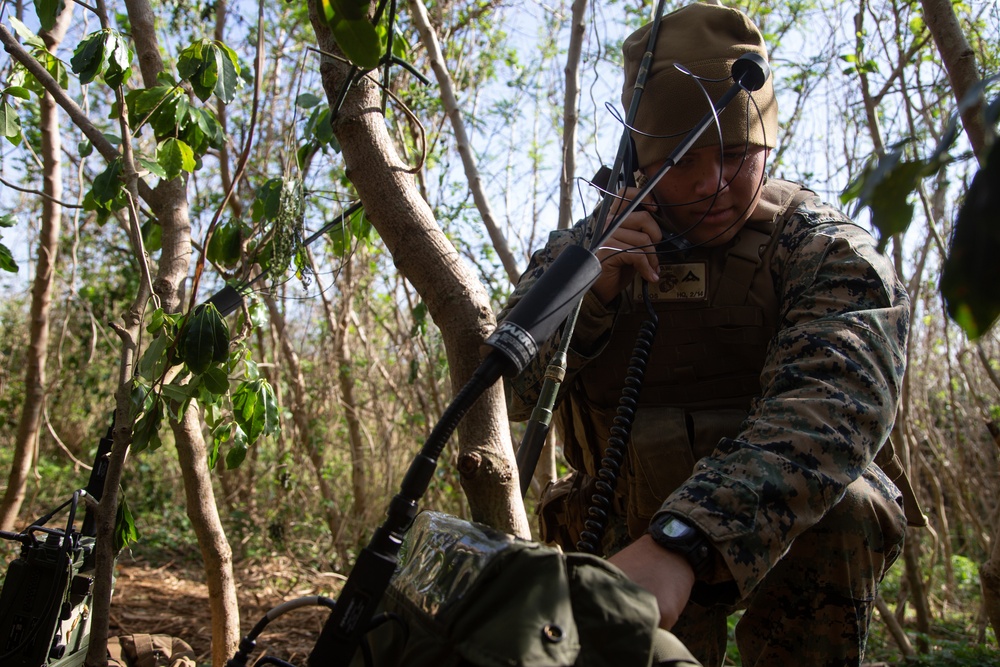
(664, 573)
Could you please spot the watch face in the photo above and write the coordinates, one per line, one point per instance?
(675, 528)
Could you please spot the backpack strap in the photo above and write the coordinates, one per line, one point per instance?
(116, 657)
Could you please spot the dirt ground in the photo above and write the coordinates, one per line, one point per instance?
(172, 599)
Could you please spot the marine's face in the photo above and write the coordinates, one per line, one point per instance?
(709, 194)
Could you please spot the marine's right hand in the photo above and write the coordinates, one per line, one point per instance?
(629, 249)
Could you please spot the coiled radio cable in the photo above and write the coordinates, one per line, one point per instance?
(621, 430)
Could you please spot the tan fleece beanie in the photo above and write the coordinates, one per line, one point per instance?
(706, 40)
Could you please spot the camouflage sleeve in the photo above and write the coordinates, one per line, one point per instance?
(589, 337)
(830, 387)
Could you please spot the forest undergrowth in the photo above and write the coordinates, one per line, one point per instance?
(282, 549)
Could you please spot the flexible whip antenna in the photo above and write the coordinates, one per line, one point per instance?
(540, 422)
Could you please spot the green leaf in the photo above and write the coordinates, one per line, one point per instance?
(119, 61)
(156, 321)
(208, 75)
(146, 432)
(258, 316)
(229, 73)
(48, 11)
(204, 339)
(319, 126)
(885, 187)
(153, 360)
(107, 186)
(255, 408)
(347, 10)
(30, 38)
(8, 220)
(85, 148)
(155, 168)
(891, 209)
(971, 271)
(10, 124)
(268, 200)
(7, 262)
(152, 235)
(140, 399)
(18, 91)
(56, 69)
(145, 101)
(238, 452)
(305, 153)
(178, 393)
(175, 156)
(189, 62)
(307, 100)
(226, 246)
(271, 421)
(88, 57)
(246, 411)
(236, 456)
(211, 67)
(125, 531)
(219, 433)
(359, 42)
(216, 381)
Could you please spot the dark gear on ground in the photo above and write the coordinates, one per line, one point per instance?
(467, 595)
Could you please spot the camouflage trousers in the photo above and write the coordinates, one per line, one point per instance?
(814, 607)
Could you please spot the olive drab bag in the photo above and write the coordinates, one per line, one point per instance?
(149, 651)
(465, 594)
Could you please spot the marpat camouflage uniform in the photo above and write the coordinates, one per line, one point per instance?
(804, 523)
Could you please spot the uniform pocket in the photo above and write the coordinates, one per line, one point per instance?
(660, 460)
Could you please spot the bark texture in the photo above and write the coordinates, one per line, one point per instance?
(960, 63)
(170, 206)
(454, 297)
(29, 422)
(571, 112)
(216, 553)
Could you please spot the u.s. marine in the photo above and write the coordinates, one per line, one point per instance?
(753, 477)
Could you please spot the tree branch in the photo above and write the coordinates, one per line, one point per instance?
(430, 41)
(960, 64)
(72, 109)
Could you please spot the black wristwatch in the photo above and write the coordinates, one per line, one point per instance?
(675, 534)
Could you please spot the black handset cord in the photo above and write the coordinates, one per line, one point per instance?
(601, 501)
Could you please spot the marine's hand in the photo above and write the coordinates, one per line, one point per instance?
(637, 236)
(665, 574)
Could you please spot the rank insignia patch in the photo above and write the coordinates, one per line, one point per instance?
(680, 282)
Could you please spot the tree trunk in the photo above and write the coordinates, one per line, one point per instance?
(345, 378)
(571, 112)
(454, 297)
(895, 628)
(169, 203)
(301, 416)
(911, 557)
(215, 550)
(41, 294)
(960, 62)
(128, 329)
